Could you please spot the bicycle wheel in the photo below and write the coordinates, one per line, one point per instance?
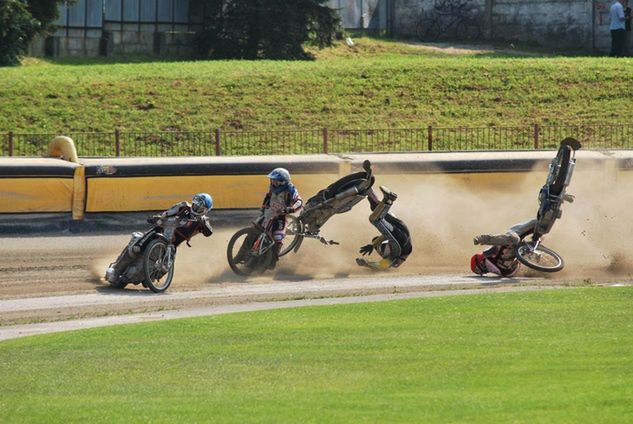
(158, 275)
(467, 30)
(428, 30)
(293, 228)
(541, 259)
(240, 255)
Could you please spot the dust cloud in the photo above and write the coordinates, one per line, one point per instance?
(444, 212)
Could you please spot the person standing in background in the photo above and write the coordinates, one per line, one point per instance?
(616, 18)
(627, 29)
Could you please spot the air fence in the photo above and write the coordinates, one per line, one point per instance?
(237, 143)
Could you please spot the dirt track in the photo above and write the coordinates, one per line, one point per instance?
(56, 278)
(52, 278)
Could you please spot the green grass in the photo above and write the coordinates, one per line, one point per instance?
(550, 356)
(378, 84)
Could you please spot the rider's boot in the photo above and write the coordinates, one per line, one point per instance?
(388, 196)
(275, 255)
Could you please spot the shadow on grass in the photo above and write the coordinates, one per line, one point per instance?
(118, 59)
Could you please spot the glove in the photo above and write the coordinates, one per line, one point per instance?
(153, 219)
(361, 262)
(482, 239)
(205, 226)
(366, 249)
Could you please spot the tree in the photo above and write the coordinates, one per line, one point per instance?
(17, 28)
(264, 29)
(20, 21)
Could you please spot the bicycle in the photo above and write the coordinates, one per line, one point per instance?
(450, 20)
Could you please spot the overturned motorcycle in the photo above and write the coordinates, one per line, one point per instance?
(532, 253)
(250, 249)
(149, 257)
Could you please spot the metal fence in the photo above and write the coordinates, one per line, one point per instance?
(236, 143)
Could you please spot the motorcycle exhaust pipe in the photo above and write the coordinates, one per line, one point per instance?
(347, 193)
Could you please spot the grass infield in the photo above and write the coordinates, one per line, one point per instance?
(375, 84)
(547, 356)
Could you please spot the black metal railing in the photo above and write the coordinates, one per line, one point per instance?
(236, 143)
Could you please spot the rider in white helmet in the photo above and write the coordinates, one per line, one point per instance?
(284, 198)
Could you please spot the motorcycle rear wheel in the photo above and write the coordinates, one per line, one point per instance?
(240, 255)
(560, 169)
(156, 279)
(540, 259)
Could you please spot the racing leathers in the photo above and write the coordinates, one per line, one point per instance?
(281, 200)
(394, 242)
(500, 258)
(178, 223)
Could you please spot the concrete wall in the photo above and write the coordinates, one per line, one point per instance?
(558, 24)
(569, 24)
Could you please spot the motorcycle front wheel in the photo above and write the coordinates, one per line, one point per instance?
(541, 259)
(157, 278)
(241, 257)
(293, 228)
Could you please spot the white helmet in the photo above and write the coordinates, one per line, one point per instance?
(280, 174)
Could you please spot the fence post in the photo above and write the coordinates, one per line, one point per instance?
(10, 143)
(325, 141)
(218, 152)
(430, 138)
(117, 142)
(536, 134)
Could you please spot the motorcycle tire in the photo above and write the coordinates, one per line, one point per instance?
(562, 167)
(293, 228)
(239, 256)
(156, 279)
(540, 259)
(119, 285)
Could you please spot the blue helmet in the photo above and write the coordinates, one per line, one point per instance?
(201, 203)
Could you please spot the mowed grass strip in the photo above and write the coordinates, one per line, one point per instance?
(376, 84)
(547, 356)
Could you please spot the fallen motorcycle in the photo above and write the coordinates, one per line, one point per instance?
(532, 253)
(339, 197)
(250, 250)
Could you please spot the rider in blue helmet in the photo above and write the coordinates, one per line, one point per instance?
(192, 219)
(284, 199)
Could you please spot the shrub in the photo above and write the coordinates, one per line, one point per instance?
(265, 29)
(17, 28)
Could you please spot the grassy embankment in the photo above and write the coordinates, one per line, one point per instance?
(550, 356)
(377, 85)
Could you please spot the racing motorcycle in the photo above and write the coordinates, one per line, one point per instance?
(532, 253)
(148, 258)
(250, 249)
(339, 197)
